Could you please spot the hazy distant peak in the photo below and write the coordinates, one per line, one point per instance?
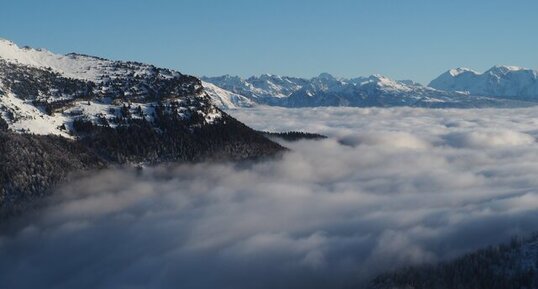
(460, 70)
(503, 81)
(325, 75)
(505, 69)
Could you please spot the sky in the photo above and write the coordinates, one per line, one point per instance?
(410, 39)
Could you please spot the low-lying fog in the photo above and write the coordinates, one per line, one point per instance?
(390, 187)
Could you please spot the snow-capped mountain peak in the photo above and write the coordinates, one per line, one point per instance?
(460, 70)
(326, 76)
(500, 81)
(74, 65)
(501, 71)
(4, 41)
(383, 82)
(409, 82)
(505, 68)
(24, 55)
(381, 79)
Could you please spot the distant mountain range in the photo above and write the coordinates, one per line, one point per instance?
(501, 86)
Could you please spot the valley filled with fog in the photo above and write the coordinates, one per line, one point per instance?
(389, 187)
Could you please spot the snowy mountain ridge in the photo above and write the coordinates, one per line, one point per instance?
(44, 93)
(71, 65)
(327, 90)
(500, 81)
(276, 90)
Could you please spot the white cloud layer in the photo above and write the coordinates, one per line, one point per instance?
(390, 187)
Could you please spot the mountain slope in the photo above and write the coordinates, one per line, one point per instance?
(326, 90)
(500, 81)
(226, 99)
(513, 265)
(110, 111)
(32, 164)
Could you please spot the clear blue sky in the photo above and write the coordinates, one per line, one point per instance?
(403, 39)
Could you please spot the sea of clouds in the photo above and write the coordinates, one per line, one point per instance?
(388, 188)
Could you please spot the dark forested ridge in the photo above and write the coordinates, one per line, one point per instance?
(294, 135)
(170, 140)
(508, 266)
(31, 165)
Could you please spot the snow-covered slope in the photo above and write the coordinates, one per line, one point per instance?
(72, 65)
(44, 93)
(226, 99)
(326, 90)
(500, 81)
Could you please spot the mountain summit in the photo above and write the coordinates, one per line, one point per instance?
(500, 81)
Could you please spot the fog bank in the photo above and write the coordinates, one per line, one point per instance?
(390, 187)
